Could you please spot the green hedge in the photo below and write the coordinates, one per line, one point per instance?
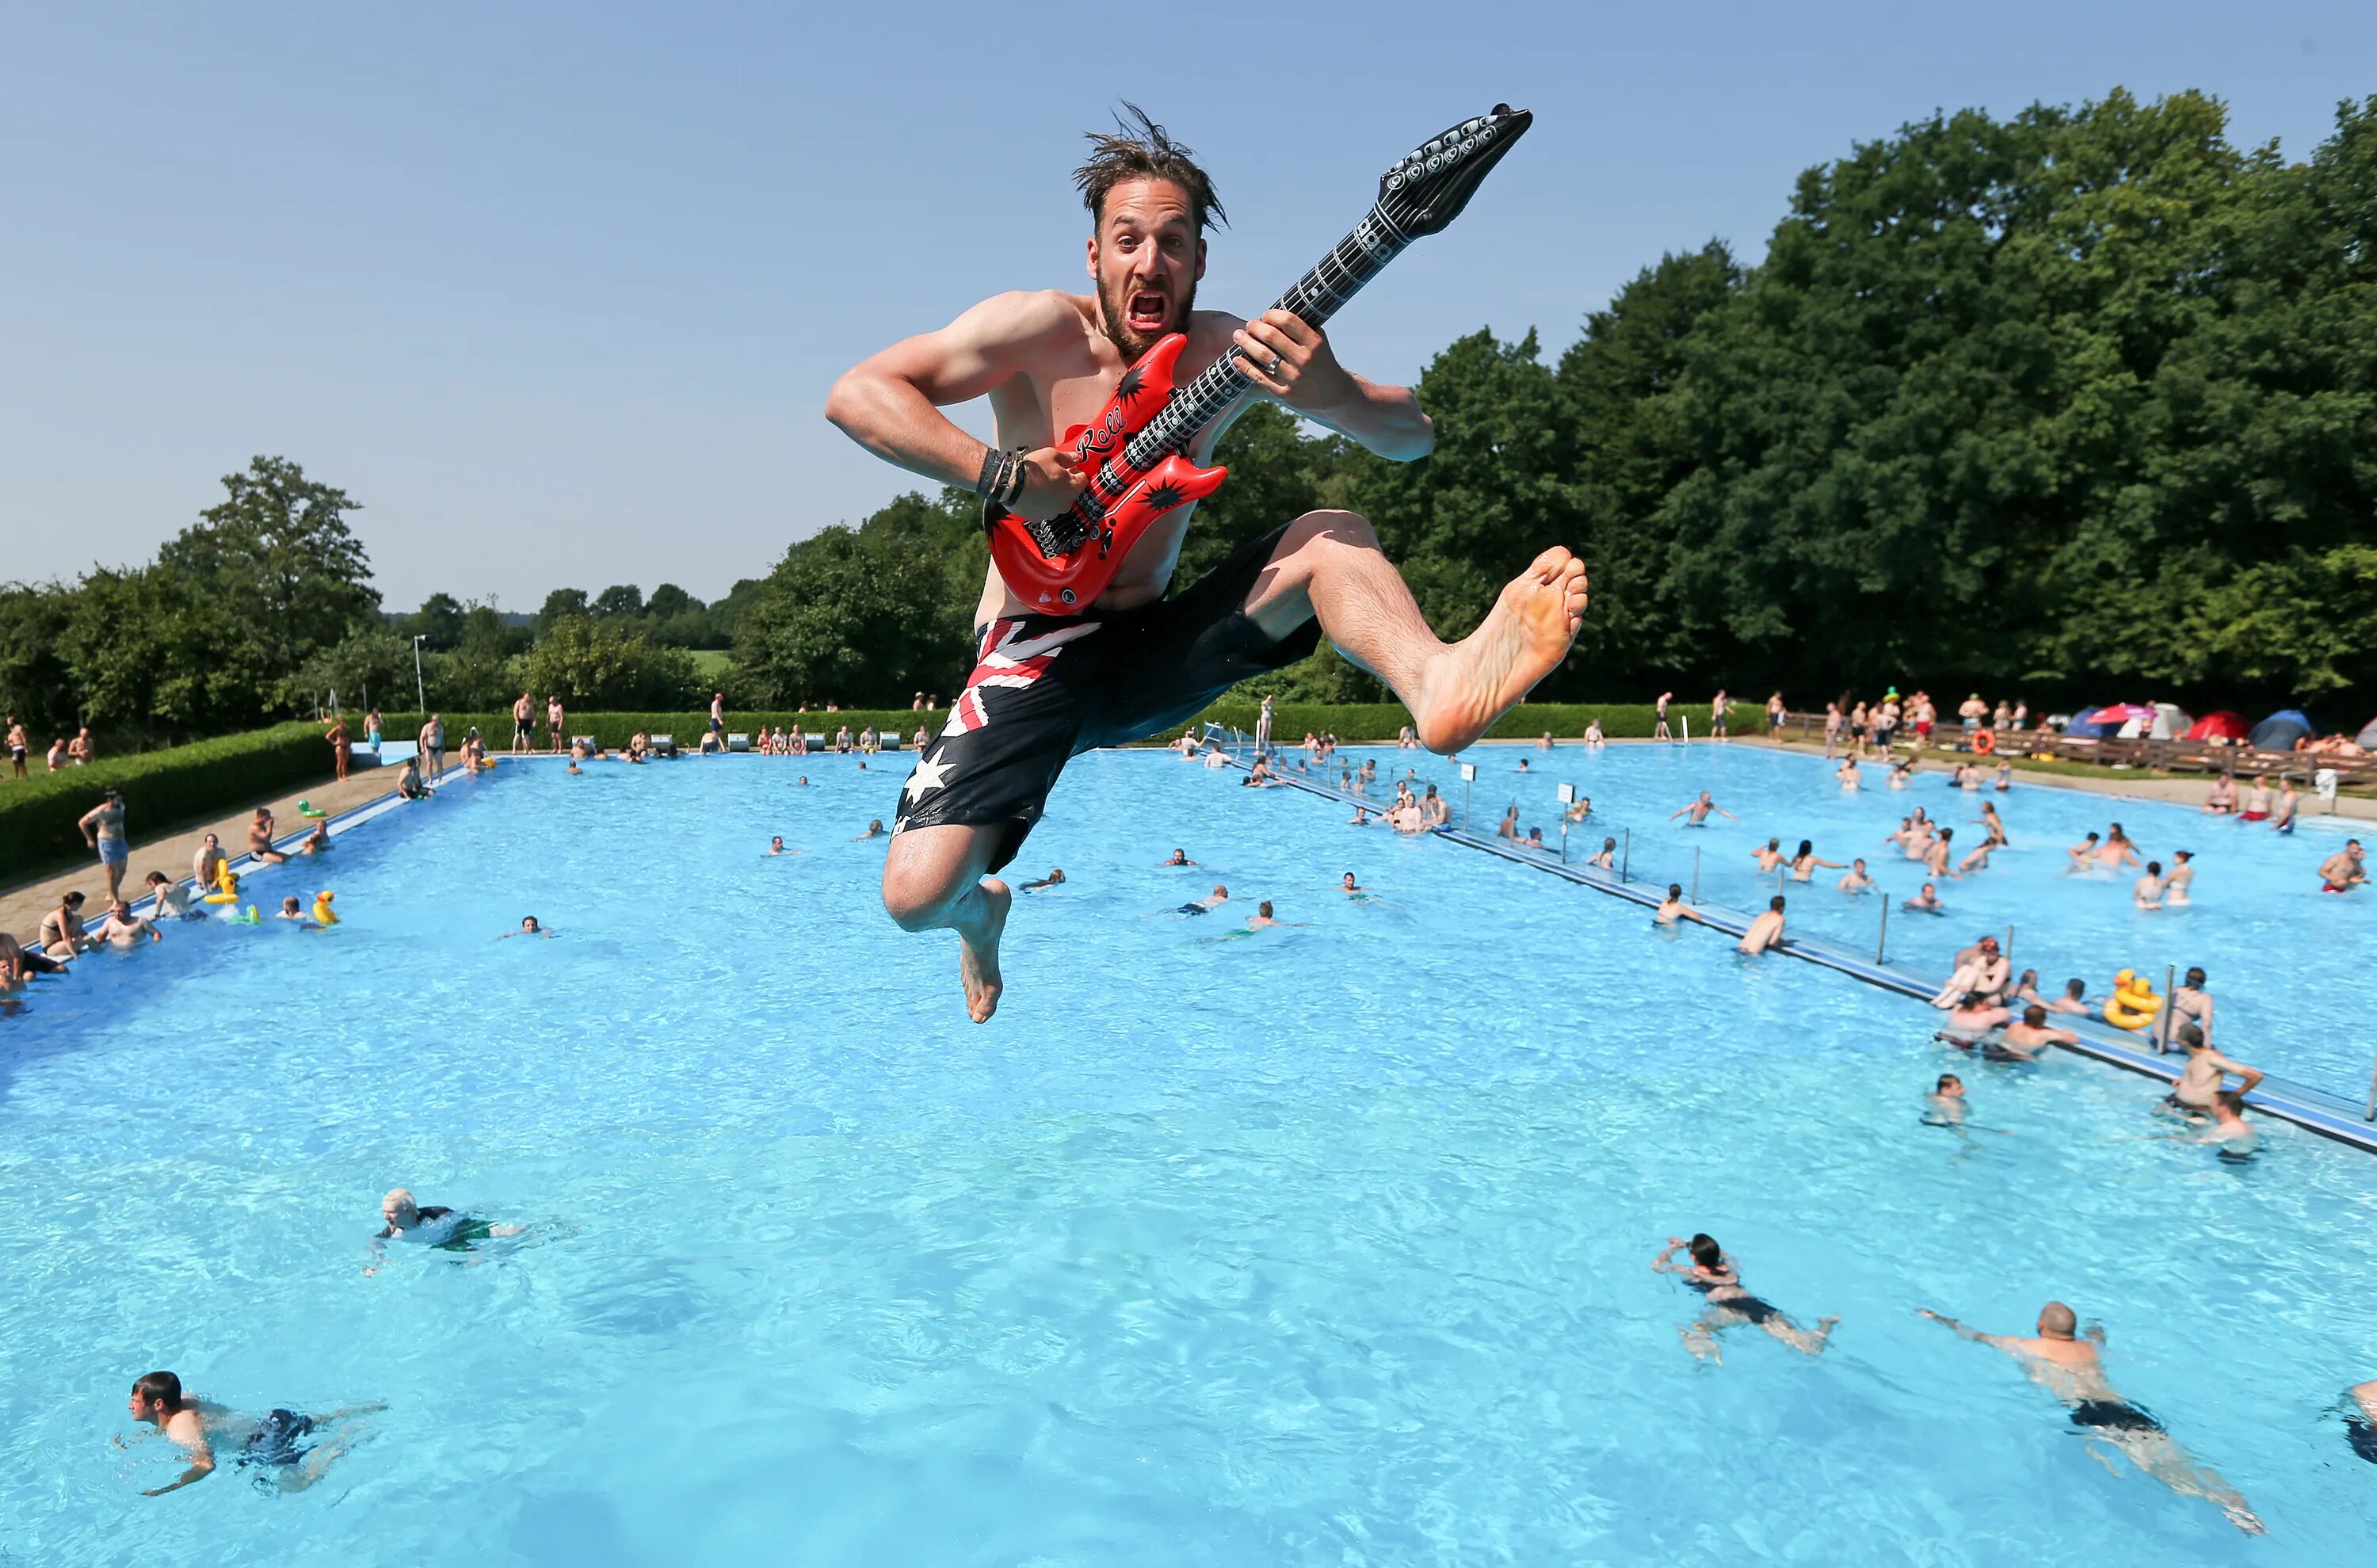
(162, 790)
(1351, 722)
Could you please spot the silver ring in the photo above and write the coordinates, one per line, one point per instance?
(1273, 368)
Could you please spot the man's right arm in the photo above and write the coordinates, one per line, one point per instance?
(890, 402)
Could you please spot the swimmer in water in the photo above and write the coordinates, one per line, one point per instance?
(2084, 854)
(1210, 902)
(402, 1219)
(2147, 892)
(270, 1444)
(2237, 1139)
(776, 844)
(2073, 999)
(2182, 876)
(1764, 932)
(529, 927)
(1767, 855)
(1349, 885)
(2027, 1038)
(1055, 878)
(1179, 857)
(292, 910)
(1944, 1106)
(1580, 811)
(1263, 917)
(1699, 813)
(1924, 903)
(2360, 1421)
(874, 830)
(2117, 851)
(2344, 870)
(2070, 1368)
(1804, 864)
(1716, 1277)
(1673, 908)
(1847, 774)
(1856, 880)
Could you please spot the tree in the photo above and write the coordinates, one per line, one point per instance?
(668, 601)
(559, 606)
(36, 682)
(594, 664)
(439, 620)
(277, 554)
(620, 602)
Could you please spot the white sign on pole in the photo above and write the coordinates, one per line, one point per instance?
(1468, 772)
(1568, 795)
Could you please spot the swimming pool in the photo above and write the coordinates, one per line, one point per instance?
(2288, 966)
(1323, 1244)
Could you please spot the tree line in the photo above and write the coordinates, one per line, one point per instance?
(2076, 405)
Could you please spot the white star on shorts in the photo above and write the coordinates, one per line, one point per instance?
(927, 776)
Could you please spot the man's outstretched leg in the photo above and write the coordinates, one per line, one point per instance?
(1329, 565)
(933, 879)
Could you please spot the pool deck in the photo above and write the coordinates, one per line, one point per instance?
(2315, 1110)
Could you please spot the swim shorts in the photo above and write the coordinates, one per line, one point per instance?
(1045, 688)
(2362, 1436)
(113, 851)
(274, 1441)
(2113, 1415)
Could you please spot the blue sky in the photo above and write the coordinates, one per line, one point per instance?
(558, 290)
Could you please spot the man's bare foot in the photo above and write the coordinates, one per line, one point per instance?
(978, 927)
(1521, 639)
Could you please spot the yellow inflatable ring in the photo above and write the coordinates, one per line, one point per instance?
(221, 898)
(2133, 1003)
(322, 915)
(1984, 742)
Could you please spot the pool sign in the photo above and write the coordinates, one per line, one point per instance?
(1468, 772)
(1568, 795)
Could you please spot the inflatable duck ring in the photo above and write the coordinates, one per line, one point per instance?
(226, 887)
(2133, 1003)
(322, 915)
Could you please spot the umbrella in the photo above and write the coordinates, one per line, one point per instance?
(2225, 724)
(2366, 738)
(2280, 731)
(2095, 724)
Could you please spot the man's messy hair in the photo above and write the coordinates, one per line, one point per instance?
(1138, 149)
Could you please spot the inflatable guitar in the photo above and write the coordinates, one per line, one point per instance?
(1060, 566)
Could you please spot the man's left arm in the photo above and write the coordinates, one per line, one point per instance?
(1387, 420)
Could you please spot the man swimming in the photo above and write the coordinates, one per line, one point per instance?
(1263, 917)
(2344, 870)
(2084, 854)
(1350, 886)
(1856, 880)
(1945, 1105)
(529, 927)
(1714, 1275)
(1207, 904)
(1699, 811)
(271, 1443)
(2070, 1368)
(1926, 901)
(1179, 857)
(1055, 878)
(433, 1225)
(1045, 688)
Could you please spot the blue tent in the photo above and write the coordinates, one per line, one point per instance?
(2085, 725)
(2280, 731)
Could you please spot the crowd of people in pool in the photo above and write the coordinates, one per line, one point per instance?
(1994, 1015)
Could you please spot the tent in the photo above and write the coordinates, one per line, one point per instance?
(2280, 731)
(2366, 738)
(2225, 724)
(2156, 721)
(2095, 724)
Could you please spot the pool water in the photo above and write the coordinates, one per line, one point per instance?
(1325, 1244)
(2287, 965)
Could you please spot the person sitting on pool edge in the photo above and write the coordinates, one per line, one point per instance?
(1764, 932)
(2060, 1361)
(1716, 1277)
(269, 1443)
(408, 781)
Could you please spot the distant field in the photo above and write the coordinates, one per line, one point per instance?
(712, 661)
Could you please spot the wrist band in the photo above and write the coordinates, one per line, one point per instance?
(985, 484)
(1017, 477)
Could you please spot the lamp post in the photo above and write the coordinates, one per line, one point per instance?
(420, 695)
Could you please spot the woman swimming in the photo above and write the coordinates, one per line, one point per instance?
(1714, 1275)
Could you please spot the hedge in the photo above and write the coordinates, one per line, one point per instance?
(162, 789)
(1351, 722)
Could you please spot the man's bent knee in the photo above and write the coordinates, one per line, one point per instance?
(926, 871)
(1330, 527)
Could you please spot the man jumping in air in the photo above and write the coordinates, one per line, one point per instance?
(1045, 688)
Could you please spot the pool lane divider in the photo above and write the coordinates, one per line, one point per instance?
(2314, 1110)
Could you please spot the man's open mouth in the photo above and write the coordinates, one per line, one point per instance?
(1148, 310)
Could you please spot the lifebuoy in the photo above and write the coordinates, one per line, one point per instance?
(1984, 742)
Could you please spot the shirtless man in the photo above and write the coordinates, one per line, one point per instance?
(2204, 1077)
(1926, 901)
(20, 746)
(1349, 886)
(2344, 870)
(123, 928)
(1055, 878)
(1179, 857)
(1659, 730)
(2067, 1366)
(269, 1443)
(1207, 904)
(205, 865)
(1766, 931)
(1855, 879)
(2283, 818)
(1767, 855)
(1045, 687)
(2030, 1034)
(259, 839)
(2117, 851)
(2238, 1138)
(2222, 801)
(2257, 801)
(1434, 807)
(1263, 917)
(2084, 854)
(556, 715)
(432, 740)
(1699, 811)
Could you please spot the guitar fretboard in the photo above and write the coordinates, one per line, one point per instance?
(1318, 295)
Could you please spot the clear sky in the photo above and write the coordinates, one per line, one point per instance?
(556, 291)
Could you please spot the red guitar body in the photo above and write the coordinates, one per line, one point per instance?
(1122, 502)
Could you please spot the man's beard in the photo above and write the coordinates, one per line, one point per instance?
(1116, 320)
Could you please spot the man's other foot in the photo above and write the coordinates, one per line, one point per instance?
(979, 947)
(1523, 638)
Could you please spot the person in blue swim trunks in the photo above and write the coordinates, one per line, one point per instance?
(288, 1451)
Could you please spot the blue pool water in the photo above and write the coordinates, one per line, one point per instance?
(1327, 1244)
(2288, 966)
